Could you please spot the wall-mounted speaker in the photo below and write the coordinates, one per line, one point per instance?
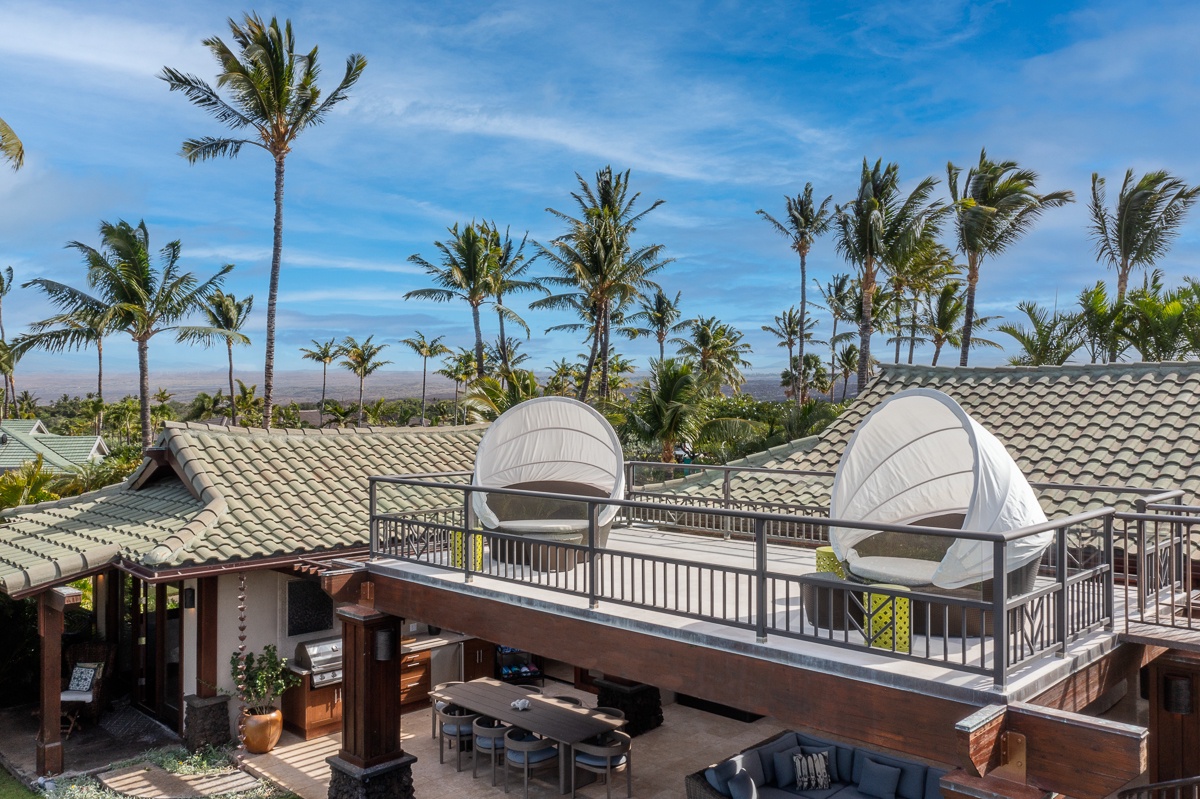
(385, 645)
(1177, 694)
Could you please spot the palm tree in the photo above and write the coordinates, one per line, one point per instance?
(142, 300)
(787, 329)
(459, 367)
(325, 354)
(274, 93)
(205, 406)
(465, 274)
(717, 349)
(490, 396)
(226, 316)
(1102, 324)
(1139, 230)
(924, 272)
(659, 316)
(879, 228)
(942, 320)
(805, 222)
(8, 359)
(668, 408)
(508, 269)
(1051, 338)
(363, 360)
(995, 206)
(563, 377)
(1157, 323)
(595, 258)
(6, 285)
(426, 349)
(11, 149)
(28, 484)
(247, 402)
(848, 361)
(839, 296)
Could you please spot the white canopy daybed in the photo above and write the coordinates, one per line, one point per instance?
(554, 445)
(919, 458)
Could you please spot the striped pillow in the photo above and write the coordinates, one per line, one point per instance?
(812, 771)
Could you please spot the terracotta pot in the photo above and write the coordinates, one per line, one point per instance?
(262, 731)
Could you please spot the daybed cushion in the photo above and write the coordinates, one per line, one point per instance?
(767, 753)
(912, 775)
(933, 780)
(879, 780)
(742, 787)
(718, 776)
(785, 767)
(908, 572)
(544, 526)
(845, 756)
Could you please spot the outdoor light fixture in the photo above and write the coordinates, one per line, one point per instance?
(1177, 694)
(189, 598)
(385, 644)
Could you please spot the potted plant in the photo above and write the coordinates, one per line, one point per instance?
(263, 680)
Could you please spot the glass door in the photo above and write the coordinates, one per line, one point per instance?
(158, 655)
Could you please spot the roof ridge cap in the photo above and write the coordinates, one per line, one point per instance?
(215, 505)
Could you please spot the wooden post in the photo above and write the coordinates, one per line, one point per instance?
(371, 688)
(50, 629)
(206, 637)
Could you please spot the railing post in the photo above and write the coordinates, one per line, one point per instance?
(468, 537)
(760, 574)
(725, 496)
(1110, 585)
(1063, 573)
(999, 615)
(1143, 559)
(374, 521)
(593, 514)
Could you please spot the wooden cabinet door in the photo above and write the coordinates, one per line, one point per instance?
(414, 677)
(321, 704)
(479, 659)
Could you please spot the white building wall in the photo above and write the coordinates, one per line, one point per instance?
(189, 642)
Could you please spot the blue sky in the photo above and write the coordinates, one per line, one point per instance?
(486, 111)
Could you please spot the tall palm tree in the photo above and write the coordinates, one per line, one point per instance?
(226, 316)
(668, 409)
(8, 359)
(879, 228)
(507, 272)
(6, 285)
(847, 363)
(144, 301)
(363, 360)
(659, 317)
(839, 296)
(563, 377)
(426, 349)
(717, 350)
(995, 206)
(459, 367)
(11, 149)
(804, 223)
(323, 353)
(274, 94)
(1051, 338)
(787, 329)
(942, 319)
(1102, 324)
(597, 261)
(464, 274)
(918, 276)
(1139, 230)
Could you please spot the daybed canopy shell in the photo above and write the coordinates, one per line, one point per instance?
(550, 440)
(919, 455)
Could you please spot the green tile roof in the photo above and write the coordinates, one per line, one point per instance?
(1117, 425)
(25, 439)
(245, 494)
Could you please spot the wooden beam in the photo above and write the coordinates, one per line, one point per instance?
(876, 715)
(206, 636)
(979, 739)
(345, 585)
(50, 629)
(961, 785)
(1078, 755)
(1080, 689)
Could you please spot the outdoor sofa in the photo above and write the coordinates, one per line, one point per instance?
(856, 773)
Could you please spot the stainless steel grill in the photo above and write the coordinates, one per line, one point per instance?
(322, 659)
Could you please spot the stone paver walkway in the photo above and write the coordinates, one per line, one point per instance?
(148, 781)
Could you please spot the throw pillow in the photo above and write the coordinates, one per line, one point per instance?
(718, 776)
(878, 780)
(830, 754)
(785, 767)
(742, 786)
(82, 677)
(812, 771)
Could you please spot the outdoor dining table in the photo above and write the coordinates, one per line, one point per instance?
(548, 717)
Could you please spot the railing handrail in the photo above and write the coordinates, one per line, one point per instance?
(1144, 791)
(942, 532)
(725, 467)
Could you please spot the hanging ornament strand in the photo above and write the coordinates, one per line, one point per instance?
(241, 671)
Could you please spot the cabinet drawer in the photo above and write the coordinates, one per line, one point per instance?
(415, 660)
(414, 688)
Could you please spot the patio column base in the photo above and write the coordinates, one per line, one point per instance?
(206, 722)
(390, 780)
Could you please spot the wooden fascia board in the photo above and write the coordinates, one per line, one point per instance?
(979, 736)
(1083, 687)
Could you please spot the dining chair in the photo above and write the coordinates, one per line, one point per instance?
(456, 724)
(489, 737)
(533, 689)
(570, 700)
(523, 748)
(615, 712)
(606, 758)
(438, 704)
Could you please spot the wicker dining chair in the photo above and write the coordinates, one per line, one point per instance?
(614, 755)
